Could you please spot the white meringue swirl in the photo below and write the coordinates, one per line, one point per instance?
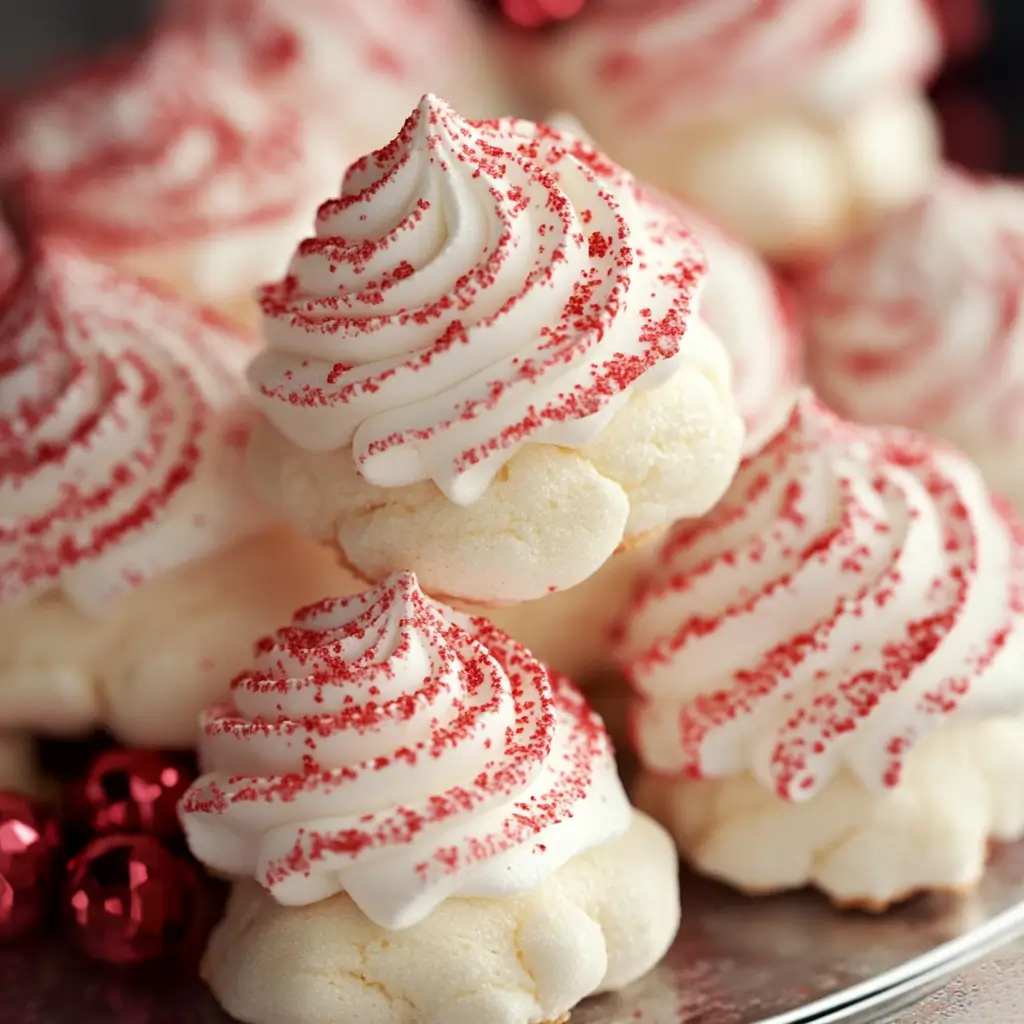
(855, 590)
(388, 748)
(121, 433)
(665, 61)
(461, 300)
(752, 313)
(162, 147)
(921, 322)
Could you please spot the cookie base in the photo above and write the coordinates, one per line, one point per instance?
(598, 924)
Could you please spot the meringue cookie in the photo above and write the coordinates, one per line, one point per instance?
(600, 922)
(170, 164)
(388, 53)
(789, 122)
(920, 323)
(857, 592)
(407, 776)
(487, 367)
(135, 566)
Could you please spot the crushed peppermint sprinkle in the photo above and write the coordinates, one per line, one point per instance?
(477, 286)
(165, 145)
(855, 588)
(384, 722)
(116, 406)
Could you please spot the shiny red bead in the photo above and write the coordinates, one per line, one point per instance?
(127, 900)
(29, 857)
(129, 791)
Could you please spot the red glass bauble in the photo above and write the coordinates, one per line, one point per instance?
(127, 899)
(129, 791)
(29, 856)
(539, 13)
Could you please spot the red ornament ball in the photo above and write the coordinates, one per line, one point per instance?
(29, 852)
(129, 791)
(540, 13)
(127, 900)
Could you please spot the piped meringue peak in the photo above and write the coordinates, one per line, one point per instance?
(121, 433)
(855, 591)
(160, 147)
(385, 746)
(477, 286)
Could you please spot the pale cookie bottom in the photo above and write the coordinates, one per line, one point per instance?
(791, 186)
(599, 923)
(551, 517)
(149, 666)
(963, 787)
(571, 630)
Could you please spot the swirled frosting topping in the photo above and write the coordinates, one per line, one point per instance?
(922, 321)
(855, 590)
(121, 433)
(476, 287)
(389, 748)
(162, 146)
(748, 309)
(682, 60)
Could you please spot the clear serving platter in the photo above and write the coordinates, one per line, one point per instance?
(782, 960)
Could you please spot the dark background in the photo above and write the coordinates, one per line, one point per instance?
(981, 98)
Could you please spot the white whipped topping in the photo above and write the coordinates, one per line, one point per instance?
(663, 61)
(166, 149)
(121, 433)
(476, 287)
(854, 591)
(750, 312)
(387, 52)
(922, 321)
(395, 750)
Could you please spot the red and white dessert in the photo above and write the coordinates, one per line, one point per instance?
(355, 69)
(135, 566)
(828, 669)
(921, 323)
(791, 121)
(170, 163)
(403, 777)
(488, 367)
